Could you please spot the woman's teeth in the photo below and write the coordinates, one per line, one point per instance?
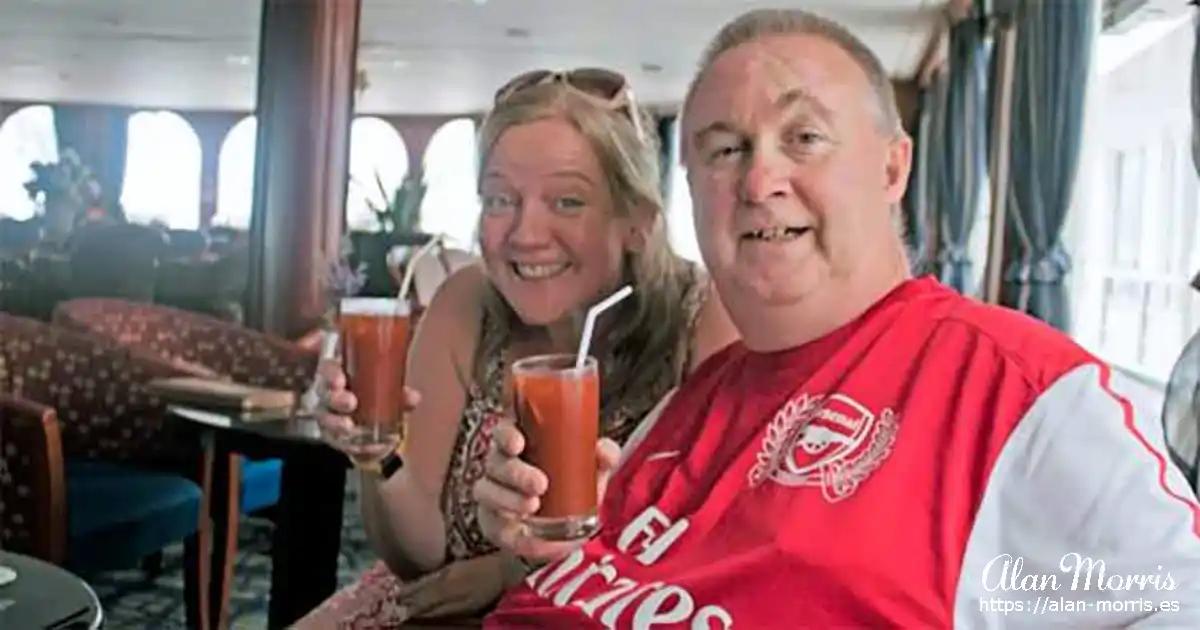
(538, 272)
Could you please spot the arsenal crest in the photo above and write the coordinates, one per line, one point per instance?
(828, 441)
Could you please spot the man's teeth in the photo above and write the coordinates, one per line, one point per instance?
(539, 272)
(775, 234)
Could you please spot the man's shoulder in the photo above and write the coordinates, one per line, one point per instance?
(1034, 349)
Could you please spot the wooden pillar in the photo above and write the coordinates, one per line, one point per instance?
(306, 74)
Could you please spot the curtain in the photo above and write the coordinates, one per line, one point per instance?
(99, 134)
(1050, 75)
(961, 151)
(916, 204)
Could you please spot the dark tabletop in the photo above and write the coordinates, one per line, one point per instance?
(45, 596)
(292, 426)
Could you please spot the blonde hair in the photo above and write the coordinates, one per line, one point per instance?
(763, 23)
(649, 327)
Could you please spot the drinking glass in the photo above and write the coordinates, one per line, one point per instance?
(374, 335)
(558, 410)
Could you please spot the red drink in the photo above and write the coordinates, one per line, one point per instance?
(375, 333)
(558, 411)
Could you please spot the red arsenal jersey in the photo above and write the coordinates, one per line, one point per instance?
(913, 469)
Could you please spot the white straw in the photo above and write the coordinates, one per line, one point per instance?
(410, 272)
(589, 324)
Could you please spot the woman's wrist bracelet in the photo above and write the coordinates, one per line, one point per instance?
(385, 467)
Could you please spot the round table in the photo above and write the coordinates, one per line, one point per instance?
(45, 596)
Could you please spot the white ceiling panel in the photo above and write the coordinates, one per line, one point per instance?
(422, 56)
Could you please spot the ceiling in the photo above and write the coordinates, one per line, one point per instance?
(421, 56)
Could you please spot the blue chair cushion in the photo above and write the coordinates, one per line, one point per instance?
(260, 483)
(116, 515)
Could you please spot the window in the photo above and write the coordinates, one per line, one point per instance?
(1147, 310)
(1125, 209)
(681, 229)
(26, 136)
(1143, 197)
(451, 205)
(162, 171)
(377, 157)
(235, 175)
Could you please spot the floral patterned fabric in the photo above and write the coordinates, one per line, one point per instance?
(379, 600)
(199, 344)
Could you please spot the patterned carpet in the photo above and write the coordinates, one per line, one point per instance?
(132, 601)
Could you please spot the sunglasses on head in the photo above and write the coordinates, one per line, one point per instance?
(605, 87)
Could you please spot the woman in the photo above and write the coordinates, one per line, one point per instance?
(569, 182)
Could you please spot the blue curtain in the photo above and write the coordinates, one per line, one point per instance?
(1053, 57)
(960, 161)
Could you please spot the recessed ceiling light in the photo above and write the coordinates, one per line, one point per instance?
(238, 60)
(399, 64)
(516, 32)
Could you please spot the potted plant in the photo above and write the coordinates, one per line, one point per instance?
(401, 213)
(398, 216)
(67, 192)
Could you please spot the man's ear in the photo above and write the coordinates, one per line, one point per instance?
(897, 168)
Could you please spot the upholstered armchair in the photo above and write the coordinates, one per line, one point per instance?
(207, 347)
(97, 388)
(91, 478)
(202, 343)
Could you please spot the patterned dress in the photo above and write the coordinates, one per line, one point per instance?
(376, 601)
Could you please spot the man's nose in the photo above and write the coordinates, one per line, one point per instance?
(766, 176)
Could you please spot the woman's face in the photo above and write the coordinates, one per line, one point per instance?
(550, 234)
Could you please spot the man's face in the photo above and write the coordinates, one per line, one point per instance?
(792, 174)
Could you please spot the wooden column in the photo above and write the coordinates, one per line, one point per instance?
(306, 73)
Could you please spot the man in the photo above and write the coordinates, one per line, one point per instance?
(879, 452)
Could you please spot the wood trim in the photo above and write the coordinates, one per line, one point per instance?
(49, 537)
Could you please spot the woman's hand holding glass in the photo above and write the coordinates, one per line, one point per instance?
(337, 423)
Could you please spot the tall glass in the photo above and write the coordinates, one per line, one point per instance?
(558, 411)
(375, 334)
